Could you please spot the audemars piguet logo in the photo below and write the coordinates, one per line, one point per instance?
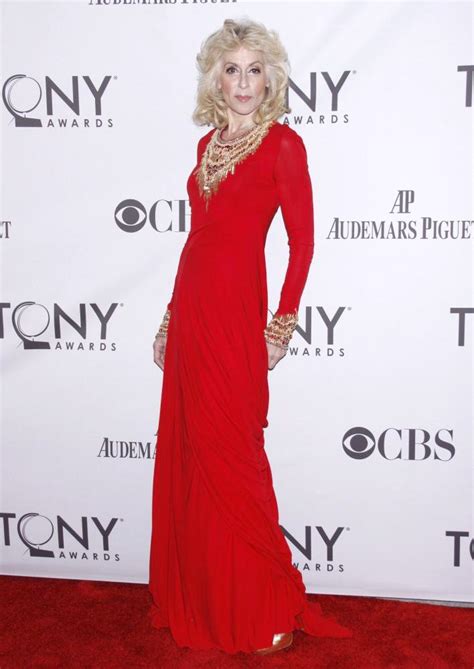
(400, 225)
(132, 450)
(44, 102)
(159, 4)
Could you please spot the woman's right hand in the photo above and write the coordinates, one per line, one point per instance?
(275, 354)
(159, 346)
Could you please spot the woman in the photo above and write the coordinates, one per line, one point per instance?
(221, 572)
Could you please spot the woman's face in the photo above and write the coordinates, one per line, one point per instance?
(242, 80)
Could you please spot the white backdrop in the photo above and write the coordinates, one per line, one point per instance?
(371, 413)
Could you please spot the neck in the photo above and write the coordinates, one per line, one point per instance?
(237, 126)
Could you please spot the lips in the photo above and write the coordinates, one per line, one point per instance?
(243, 98)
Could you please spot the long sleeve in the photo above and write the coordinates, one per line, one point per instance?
(296, 200)
(169, 306)
(163, 329)
(295, 193)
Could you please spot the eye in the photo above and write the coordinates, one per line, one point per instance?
(231, 68)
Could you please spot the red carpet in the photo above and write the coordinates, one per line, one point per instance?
(49, 623)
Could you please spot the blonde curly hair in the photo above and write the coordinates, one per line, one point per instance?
(210, 105)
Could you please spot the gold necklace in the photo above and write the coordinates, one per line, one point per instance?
(220, 159)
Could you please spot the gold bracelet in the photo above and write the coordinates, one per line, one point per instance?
(163, 329)
(280, 329)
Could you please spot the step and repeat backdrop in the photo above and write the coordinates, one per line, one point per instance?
(370, 430)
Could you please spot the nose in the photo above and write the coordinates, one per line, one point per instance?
(243, 82)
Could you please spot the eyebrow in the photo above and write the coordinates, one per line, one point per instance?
(229, 62)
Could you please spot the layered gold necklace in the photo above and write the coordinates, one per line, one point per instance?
(220, 157)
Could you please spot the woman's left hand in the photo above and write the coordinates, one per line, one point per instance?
(275, 354)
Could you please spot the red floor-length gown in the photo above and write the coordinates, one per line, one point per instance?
(221, 571)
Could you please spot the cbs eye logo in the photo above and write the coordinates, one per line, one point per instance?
(412, 444)
(130, 216)
(164, 215)
(358, 443)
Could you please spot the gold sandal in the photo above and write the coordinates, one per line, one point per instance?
(280, 641)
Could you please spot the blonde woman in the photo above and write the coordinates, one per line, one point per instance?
(221, 572)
